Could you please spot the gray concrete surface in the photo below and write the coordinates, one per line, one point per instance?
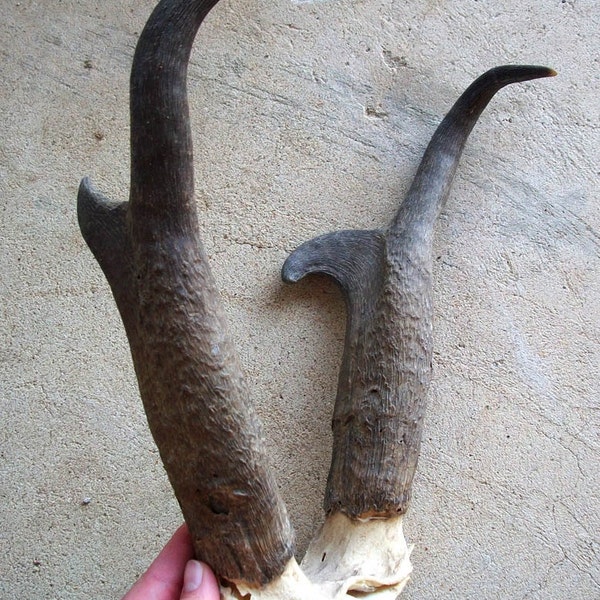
(308, 117)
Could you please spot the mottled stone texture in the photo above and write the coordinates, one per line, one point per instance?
(310, 117)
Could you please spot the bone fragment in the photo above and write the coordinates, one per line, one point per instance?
(369, 557)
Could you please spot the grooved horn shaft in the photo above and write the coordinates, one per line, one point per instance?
(192, 387)
(386, 279)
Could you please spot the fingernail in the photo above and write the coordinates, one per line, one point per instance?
(192, 577)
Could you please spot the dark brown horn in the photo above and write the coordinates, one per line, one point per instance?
(190, 381)
(386, 279)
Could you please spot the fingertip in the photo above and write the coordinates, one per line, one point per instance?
(199, 582)
(193, 575)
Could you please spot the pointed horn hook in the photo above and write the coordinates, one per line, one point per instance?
(431, 185)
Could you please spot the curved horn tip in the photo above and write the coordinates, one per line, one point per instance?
(290, 273)
(513, 73)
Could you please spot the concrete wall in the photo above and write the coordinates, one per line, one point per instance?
(308, 117)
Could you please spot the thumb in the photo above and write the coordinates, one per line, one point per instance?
(199, 582)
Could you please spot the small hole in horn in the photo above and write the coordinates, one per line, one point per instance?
(217, 507)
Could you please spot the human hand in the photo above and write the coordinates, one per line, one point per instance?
(175, 576)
